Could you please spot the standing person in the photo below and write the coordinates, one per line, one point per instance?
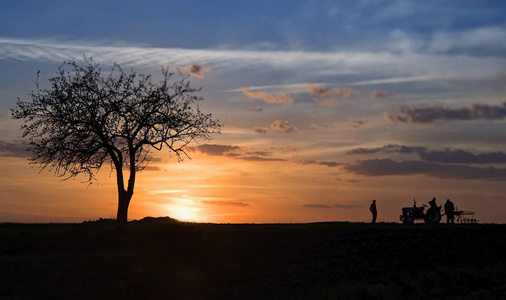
(432, 209)
(432, 204)
(374, 211)
(449, 211)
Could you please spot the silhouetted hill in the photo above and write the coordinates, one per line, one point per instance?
(162, 258)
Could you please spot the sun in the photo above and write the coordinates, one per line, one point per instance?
(180, 212)
(184, 217)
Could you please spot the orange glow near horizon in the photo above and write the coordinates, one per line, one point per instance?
(221, 189)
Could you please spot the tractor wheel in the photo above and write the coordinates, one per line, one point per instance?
(408, 220)
(436, 217)
(433, 217)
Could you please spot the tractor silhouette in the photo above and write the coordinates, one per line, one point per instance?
(432, 215)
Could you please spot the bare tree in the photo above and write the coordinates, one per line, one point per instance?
(86, 119)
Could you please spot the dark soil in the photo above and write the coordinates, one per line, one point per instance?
(165, 259)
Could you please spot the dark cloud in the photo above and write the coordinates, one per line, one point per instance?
(199, 70)
(256, 108)
(329, 163)
(364, 151)
(13, 150)
(281, 98)
(153, 168)
(195, 70)
(308, 162)
(224, 203)
(321, 163)
(357, 123)
(213, 149)
(234, 152)
(329, 97)
(385, 167)
(347, 180)
(320, 206)
(381, 94)
(448, 156)
(259, 153)
(343, 206)
(283, 126)
(353, 123)
(261, 130)
(430, 114)
(286, 149)
(390, 148)
(259, 158)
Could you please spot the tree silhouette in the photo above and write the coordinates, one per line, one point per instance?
(85, 120)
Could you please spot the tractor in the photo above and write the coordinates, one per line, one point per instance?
(432, 215)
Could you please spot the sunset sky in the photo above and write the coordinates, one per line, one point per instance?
(325, 105)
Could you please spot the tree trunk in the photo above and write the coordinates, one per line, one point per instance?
(123, 202)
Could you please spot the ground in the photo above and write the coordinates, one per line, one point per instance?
(166, 259)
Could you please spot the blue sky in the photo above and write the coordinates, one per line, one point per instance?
(338, 102)
(286, 25)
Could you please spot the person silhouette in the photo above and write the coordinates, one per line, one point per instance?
(432, 204)
(449, 211)
(374, 211)
(433, 214)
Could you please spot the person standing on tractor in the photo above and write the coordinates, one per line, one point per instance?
(449, 211)
(431, 212)
(374, 211)
(432, 205)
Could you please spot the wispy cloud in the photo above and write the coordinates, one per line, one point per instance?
(491, 37)
(400, 79)
(107, 52)
(294, 88)
(224, 203)
(401, 68)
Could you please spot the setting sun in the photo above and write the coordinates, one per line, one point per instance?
(184, 217)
